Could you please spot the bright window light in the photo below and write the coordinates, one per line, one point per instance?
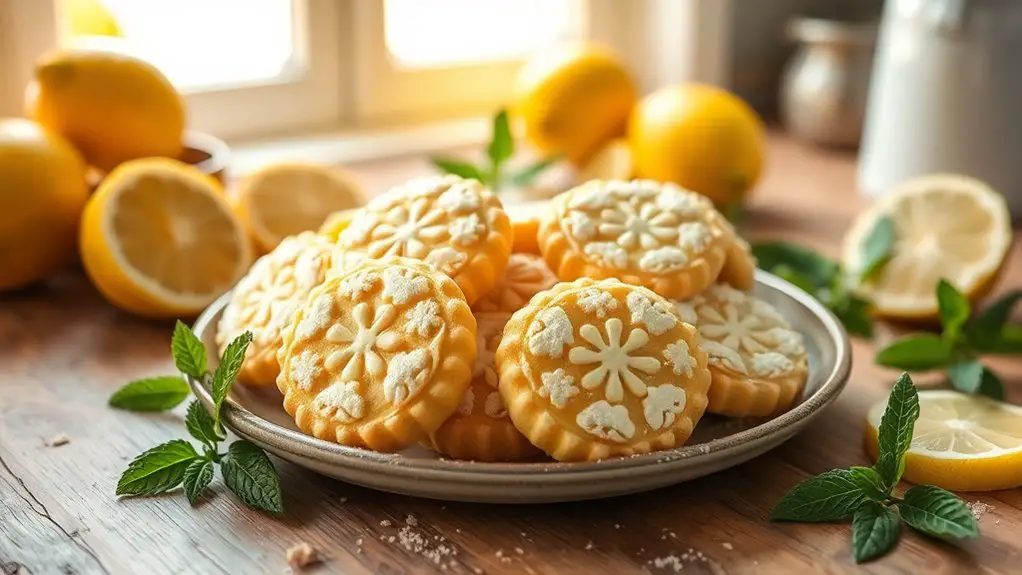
(435, 33)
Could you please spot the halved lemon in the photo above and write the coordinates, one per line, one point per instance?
(611, 162)
(946, 226)
(524, 218)
(158, 239)
(961, 442)
(287, 199)
(337, 222)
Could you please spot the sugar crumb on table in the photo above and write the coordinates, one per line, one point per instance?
(58, 440)
(301, 555)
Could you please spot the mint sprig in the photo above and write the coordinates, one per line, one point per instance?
(962, 342)
(878, 248)
(821, 278)
(247, 471)
(493, 170)
(866, 494)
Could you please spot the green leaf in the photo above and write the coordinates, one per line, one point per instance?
(197, 476)
(830, 496)
(896, 426)
(151, 394)
(1007, 341)
(807, 263)
(996, 315)
(916, 353)
(188, 351)
(200, 424)
(502, 146)
(227, 372)
(160, 469)
(458, 168)
(856, 315)
(875, 531)
(790, 275)
(966, 376)
(889, 468)
(250, 474)
(938, 513)
(871, 483)
(526, 175)
(954, 309)
(877, 248)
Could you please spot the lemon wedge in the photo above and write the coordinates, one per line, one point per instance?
(611, 162)
(961, 442)
(158, 239)
(946, 226)
(287, 199)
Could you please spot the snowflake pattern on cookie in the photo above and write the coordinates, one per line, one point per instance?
(526, 275)
(642, 232)
(367, 344)
(611, 367)
(454, 225)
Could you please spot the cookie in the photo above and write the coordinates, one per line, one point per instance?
(758, 363)
(525, 218)
(337, 222)
(457, 226)
(740, 265)
(481, 429)
(642, 232)
(378, 357)
(265, 298)
(526, 275)
(597, 369)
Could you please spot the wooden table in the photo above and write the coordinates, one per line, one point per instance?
(63, 350)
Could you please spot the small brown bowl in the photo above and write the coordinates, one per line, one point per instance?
(204, 151)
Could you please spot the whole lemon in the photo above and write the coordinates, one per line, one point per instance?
(112, 107)
(700, 137)
(574, 99)
(42, 194)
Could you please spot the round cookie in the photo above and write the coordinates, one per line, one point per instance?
(265, 298)
(740, 265)
(758, 363)
(481, 429)
(642, 232)
(379, 356)
(457, 226)
(526, 275)
(596, 369)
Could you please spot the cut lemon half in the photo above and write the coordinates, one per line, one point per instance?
(287, 199)
(946, 226)
(158, 239)
(961, 442)
(611, 162)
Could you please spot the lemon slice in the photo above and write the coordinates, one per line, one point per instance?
(158, 239)
(287, 199)
(961, 442)
(946, 226)
(611, 162)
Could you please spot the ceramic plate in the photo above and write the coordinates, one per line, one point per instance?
(717, 443)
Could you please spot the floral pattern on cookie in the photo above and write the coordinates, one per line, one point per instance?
(526, 275)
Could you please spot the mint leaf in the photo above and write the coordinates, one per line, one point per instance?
(790, 275)
(227, 372)
(938, 513)
(526, 175)
(954, 309)
(875, 531)
(966, 376)
(160, 469)
(830, 496)
(896, 426)
(1007, 341)
(877, 248)
(916, 353)
(200, 424)
(889, 468)
(996, 315)
(856, 315)
(458, 168)
(151, 394)
(197, 476)
(808, 264)
(871, 483)
(250, 474)
(991, 385)
(189, 353)
(502, 146)
(989, 332)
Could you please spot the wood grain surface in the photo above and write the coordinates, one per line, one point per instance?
(63, 350)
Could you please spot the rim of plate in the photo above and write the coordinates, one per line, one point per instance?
(247, 424)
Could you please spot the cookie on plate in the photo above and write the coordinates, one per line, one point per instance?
(758, 362)
(526, 275)
(481, 429)
(457, 226)
(379, 356)
(265, 298)
(596, 369)
(740, 265)
(642, 232)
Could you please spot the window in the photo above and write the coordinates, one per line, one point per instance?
(256, 69)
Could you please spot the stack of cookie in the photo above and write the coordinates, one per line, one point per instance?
(604, 326)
